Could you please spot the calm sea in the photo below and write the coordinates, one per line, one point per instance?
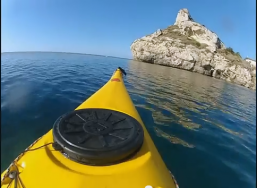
(204, 128)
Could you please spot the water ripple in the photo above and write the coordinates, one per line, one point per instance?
(205, 129)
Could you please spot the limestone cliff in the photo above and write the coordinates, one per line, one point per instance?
(191, 46)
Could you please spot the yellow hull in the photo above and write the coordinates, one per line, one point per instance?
(47, 168)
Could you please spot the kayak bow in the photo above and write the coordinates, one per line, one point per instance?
(103, 143)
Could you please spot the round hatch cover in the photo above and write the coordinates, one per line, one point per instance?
(98, 136)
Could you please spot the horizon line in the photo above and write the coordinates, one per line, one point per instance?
(68, 53)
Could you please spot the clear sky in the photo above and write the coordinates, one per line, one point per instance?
(108, 27)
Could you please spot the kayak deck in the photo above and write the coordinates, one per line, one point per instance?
(46, 167)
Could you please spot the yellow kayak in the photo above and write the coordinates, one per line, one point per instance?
(103, 143)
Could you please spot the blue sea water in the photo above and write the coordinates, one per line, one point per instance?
(204, 128)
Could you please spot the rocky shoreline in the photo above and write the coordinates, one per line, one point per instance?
(191, 46)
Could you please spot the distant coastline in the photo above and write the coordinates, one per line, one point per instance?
(67, 53)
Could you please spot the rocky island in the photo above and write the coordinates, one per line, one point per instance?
(191, 46)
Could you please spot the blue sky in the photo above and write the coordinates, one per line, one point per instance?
(108, 27)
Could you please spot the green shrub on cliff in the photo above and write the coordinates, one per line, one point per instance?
(230, 50)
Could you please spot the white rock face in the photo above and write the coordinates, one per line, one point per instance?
(252, 62)
(191, 46)
(197, 31)
(183, 15)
